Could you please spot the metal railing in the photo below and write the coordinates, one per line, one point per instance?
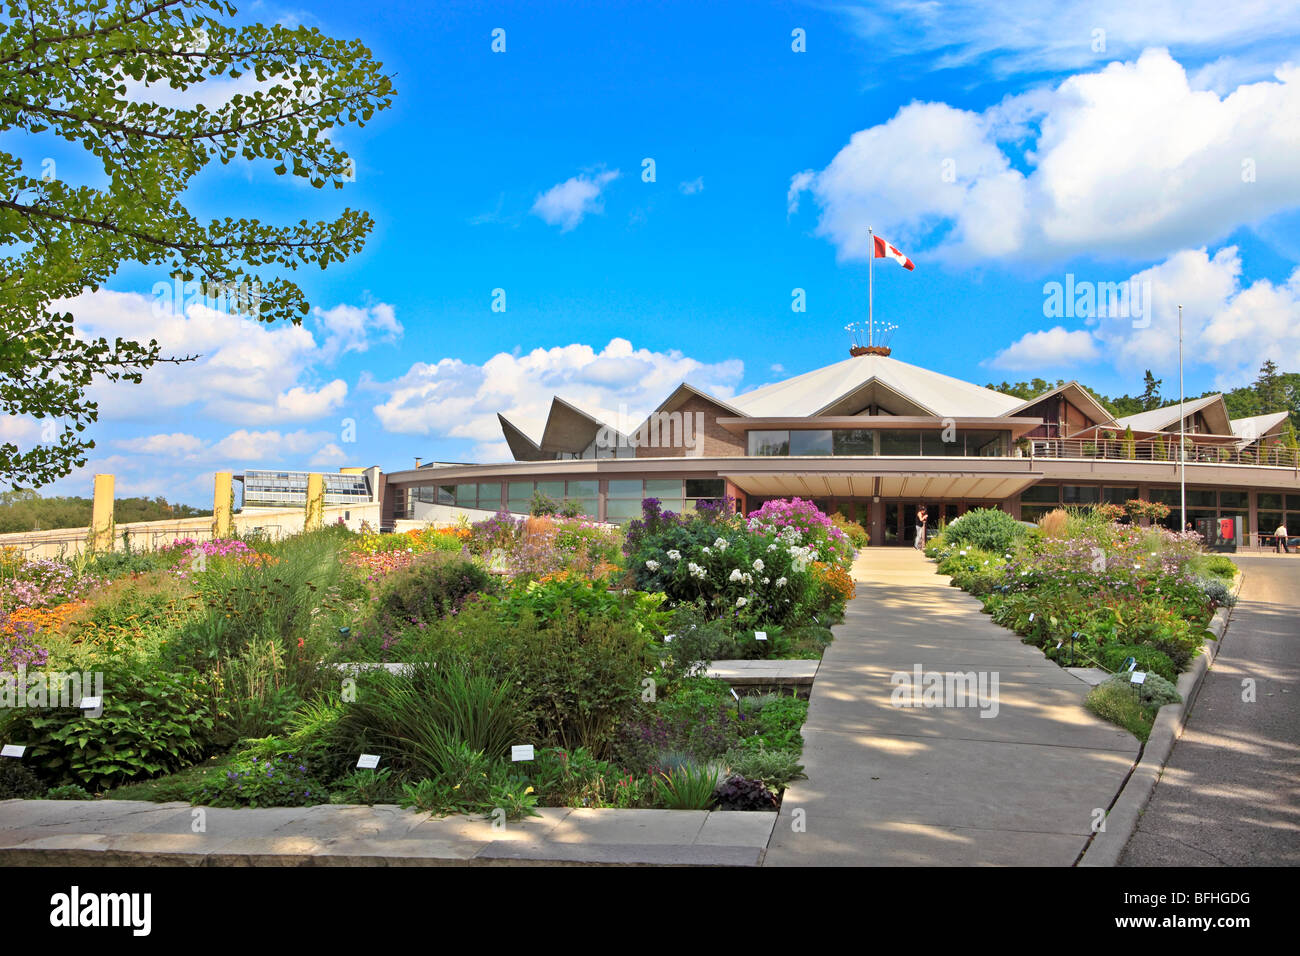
(1272, 456)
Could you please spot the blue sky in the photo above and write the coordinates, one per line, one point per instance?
(995, 145)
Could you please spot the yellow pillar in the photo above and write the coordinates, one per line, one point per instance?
(101, 515)
(315, 516)
(223, 500)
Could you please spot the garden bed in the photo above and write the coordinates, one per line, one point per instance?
(246, 673)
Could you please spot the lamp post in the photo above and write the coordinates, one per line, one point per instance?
(1182, 428)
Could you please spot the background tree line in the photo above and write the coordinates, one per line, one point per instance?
(28, 511)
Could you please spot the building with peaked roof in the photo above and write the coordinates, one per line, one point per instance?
(874, 437)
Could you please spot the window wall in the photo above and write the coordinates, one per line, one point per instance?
(888, 442)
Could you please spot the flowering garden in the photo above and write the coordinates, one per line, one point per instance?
(1093, 591)
(255, 673)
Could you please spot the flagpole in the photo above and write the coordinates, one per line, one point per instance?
(871, 258)
(1182, 430)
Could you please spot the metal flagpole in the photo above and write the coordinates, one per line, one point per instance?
(1182, 427)
(871, 258)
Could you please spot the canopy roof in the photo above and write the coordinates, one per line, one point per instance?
(1166, 417)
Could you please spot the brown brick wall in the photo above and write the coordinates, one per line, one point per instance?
(717, 441)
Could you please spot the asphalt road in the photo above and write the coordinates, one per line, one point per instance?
(1230, 794)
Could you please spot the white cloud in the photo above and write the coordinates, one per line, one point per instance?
(176, 445)
(566, 203)
(1129, 161)
(1050, 349)
(1027, 35)
(254, 447)
(1230, 327)
(329, 455)
(692, 186)
(247, 372)
(454, 399)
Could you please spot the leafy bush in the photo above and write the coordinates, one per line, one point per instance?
(69, 791)
(256, 782)
(1155, 691)
(1219, 566)
(432, 587)
(18, 783)
(989, 529)
(773, 768)
(737, 793)
(1148, 659)
(778, 725)
(366, 787)
(153, 722)
(1218, 592)
(1119, 703)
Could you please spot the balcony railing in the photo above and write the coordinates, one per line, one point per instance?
(1279, 456)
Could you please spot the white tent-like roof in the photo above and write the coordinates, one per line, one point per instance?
(1158, 419)
(1257, 426)
(846, 387)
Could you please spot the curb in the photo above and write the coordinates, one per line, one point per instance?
(1107, 846)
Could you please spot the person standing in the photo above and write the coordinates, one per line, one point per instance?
(921, 515)
(1280, 535)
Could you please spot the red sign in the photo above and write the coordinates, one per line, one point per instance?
(1227, 528)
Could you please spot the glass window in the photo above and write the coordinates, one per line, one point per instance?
(769, 443)
(663, 488)
(588, 505)
(899, 443)
(853, 441)
(467, 496)
(553, 489)
(626, 488)
(1166, 496)
(675, 505)
(1045, 493)
(489, 495)
(1235, 500)
(1269, 500)
(582, 489)
(1118, 496)
(1293, 502)
(983, 443)
(1268, 522)
(1080, 494)
(810, 443)
(1034, 512)
(933, 444)
(1200, 499)
(706, 487)
(622, 509)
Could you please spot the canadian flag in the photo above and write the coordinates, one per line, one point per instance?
(884, 250)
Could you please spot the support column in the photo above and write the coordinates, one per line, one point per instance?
(101, 515)
(314, 517)
(223, 503)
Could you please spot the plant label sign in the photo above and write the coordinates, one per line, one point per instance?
(1131, 664)
(668, 638)
(1138, 677)
(735, 695)
(1058, 644)
(1031, 618)
(521, 752)
(760, 635)
(13, 750)
(368, 761)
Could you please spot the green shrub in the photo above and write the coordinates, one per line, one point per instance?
(432, 587)
(1118, 703)
(1154, 691)
(1148, 659)
(366, 787)
(423, 719)
(1219, 566)
(68, 791)
(688, 787)
(987, 528)
(17, 782)
(779, 724)
(257, 782)
(775, 768)
(153, 722)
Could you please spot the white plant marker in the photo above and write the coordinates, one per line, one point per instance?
(1138, 677)
(13, 750)
(521, 752)
(760, 635)
(368, 761)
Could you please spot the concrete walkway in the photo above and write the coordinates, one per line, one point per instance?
(1230, 792)
(942, 786)
(133, 833)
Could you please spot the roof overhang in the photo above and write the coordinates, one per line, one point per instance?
(869, 393)
(1079, 396)
(918, 485)
(521, 445)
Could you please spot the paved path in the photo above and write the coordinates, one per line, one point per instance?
(942, 786)
(1230, 793)
(133, 833)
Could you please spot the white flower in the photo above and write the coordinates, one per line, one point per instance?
(747, 578)
(767, 580)
(695, 571)
(735, 575)
(758, 564)
(771, 547)
(962, 552)
(741, 602)
(707, 550)
(652, 565)
(675, 555)
(720, 544)
(780, 582)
